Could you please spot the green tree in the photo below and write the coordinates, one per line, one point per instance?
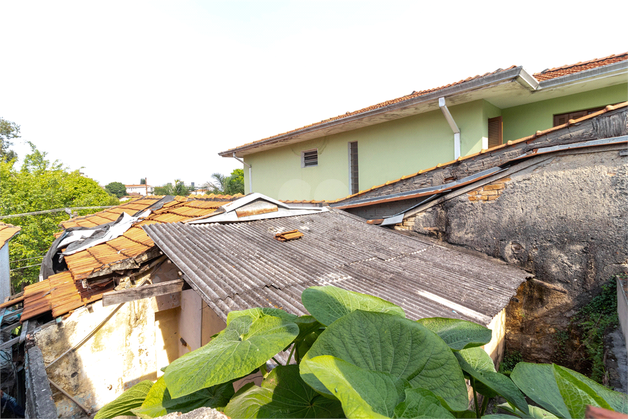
(41, 185)
(116, 188)
(178, 189)
(226, 185)
(8, 131)
(143, 181)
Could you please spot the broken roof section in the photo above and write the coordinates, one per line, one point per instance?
(91, 272)
(236, 266)
(514, 81)
(253, 207)
(7, 232)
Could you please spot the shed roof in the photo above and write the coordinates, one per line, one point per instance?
(241, 265)
(7, 232)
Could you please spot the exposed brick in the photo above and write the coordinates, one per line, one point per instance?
(474, 198)
(490, 198)
(487, 193)
(484, 198)
(494, 186)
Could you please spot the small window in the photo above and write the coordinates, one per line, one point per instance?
(309, 158)
(563, 118)
(495, 132)
(353, 168)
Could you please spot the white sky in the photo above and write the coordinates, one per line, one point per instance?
(128, 89)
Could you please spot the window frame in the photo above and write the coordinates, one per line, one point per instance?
(303, 165)
(354, 182)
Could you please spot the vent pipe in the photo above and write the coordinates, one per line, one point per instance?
(452, 124)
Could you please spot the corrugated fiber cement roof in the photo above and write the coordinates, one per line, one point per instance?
(241, 265)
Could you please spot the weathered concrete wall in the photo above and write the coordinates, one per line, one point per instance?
(622, 308)
(39, 404)
(564, 219)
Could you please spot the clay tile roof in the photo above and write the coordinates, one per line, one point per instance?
(7, 231)
(412, 95)
(134, 242)
(60, 293)
(111, 214)
(509, 144)
(552, 73)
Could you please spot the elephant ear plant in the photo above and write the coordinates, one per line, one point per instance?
(357, 356)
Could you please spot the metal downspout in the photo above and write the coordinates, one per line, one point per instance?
(250, 171)
(452, 124)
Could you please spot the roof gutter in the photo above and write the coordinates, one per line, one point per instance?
(481, 82)
(452, 125)
(250, 171)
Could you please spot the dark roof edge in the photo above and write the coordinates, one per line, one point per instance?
(505, 75)
(584, 74)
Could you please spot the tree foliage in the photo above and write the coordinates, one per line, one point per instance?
(116, 188)
(226, 185)
(8, 131)
(178, 189)
(41, 185)
(363, 359)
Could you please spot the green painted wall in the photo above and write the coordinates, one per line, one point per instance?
(386, 152)
(524, 120)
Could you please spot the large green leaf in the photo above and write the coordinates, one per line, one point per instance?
(130, 399)
(159, 403)
(421, 403)
(363, 393)
(477, 363)
(534, 412)
(458, 334)
(538, 383)
(330, 303)
(618, 401)
(257, 313)
(562, 391)
(247, 342)
(576, 394)
(305, 344)
(283, 394)
(395, 345)
(307, 325)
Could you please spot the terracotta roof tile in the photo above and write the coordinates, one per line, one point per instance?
(7, 232)
(412, 95)
(135, 242)
(552, 73)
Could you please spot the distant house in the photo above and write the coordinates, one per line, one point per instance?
(7, 232)
(355, 151)
(139, 189)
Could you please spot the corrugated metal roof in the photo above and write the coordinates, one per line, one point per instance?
(239, 266)
(7, 232)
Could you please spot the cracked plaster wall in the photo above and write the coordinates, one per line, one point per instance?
(564, 220)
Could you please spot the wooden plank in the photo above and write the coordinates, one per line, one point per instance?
(12, 302)
(138, 293)
(9, 343)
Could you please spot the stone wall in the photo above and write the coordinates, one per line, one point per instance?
(562, 217)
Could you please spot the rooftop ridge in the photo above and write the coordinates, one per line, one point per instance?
(547, 73)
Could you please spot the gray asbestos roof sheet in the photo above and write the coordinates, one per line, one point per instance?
(240, 265)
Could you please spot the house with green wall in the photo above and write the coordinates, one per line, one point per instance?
(340, 156)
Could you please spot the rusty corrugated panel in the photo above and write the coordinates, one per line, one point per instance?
(240, 265)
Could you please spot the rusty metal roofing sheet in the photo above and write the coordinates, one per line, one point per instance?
(7, 232)
(241, 265)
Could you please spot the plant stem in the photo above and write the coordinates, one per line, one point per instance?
(475, 398)
(294, 345)
(263, 369)
(277, 362)
(484, 405)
